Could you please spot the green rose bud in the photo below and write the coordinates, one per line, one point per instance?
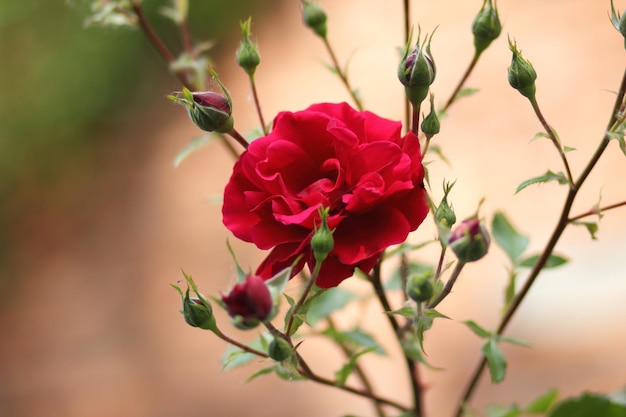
(210, 111)
(419, 287)
(198, 312)
(444, 214)
(322, 242)
(522, 75)
(430, 125)
(619, 22)
(486, 27)
(417, 70)
(314, 18)
(279, 349)
(469, 240)
(247, 55)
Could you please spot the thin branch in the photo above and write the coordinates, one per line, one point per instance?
(597, 211)
(554, 238)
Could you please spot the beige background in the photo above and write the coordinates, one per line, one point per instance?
(93, 328)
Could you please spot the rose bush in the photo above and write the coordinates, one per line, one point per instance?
(355, 163)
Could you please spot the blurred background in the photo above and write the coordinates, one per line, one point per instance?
(96, 223)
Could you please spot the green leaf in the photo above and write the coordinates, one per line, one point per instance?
(509, 290)
(346, 370)
(328, 302)
(263, 371)
(507, 237)
(540, 135)
(479, 331)
(424, 322)
(278, 283)
(619, 137)
(495, 360)
(406, 311)
(567, 149)
(547, 177)
(360, 338)
(592, 228)
(192, 146)
(503, 411)
(410, 347)
(241, 275)
(513, 340)
(552, 262)
(588, 405)
(235, 356)
(465, 92)
(542, 404)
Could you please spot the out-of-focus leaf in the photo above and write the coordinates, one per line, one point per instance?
(478, 330)
(191, 147)
(542, 404)
(552, 262)
(495, 360)
(507, 237)
(547, 177)
(346, 370)
(588, 405)
(331, 300)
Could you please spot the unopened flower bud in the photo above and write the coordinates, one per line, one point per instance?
(469, 240)
(444, 214)
(486, 27)
(419, 287)
(198, 312)
(314, 18)
(279, 349)
(619, 22)
(430, 125)
(417, 71)
(522, 75)
(247, 55)
(249, 302)
(210, 111)
(322, 242)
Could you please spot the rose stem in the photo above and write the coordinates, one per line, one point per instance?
(240, 139)
(359, 370)
(157, 43)
(468, 71)
(342, 75)
(257, 104)
(455, 274)
(410, 363)
(553, 138)
(556, 234)
(407, 31)
(597, 211)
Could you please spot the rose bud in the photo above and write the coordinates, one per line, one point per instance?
(210, 111)
(198, 312)
(619, 22)
(249, 302)
(430, 125)
(417, 71)
(279, 349)
(486, 27)
(522, 75)
(322, 242)
(314, 18)
(247, 55)
(444, 214)
(469, 240)
(419, 287)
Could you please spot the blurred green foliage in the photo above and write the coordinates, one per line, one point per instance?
(62, 84)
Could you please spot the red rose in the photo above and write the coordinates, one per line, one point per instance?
(333, 156)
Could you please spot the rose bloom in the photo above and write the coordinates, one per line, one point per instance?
(330, 155)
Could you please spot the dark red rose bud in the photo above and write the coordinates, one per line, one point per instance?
(249, 302)
(469, 240)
